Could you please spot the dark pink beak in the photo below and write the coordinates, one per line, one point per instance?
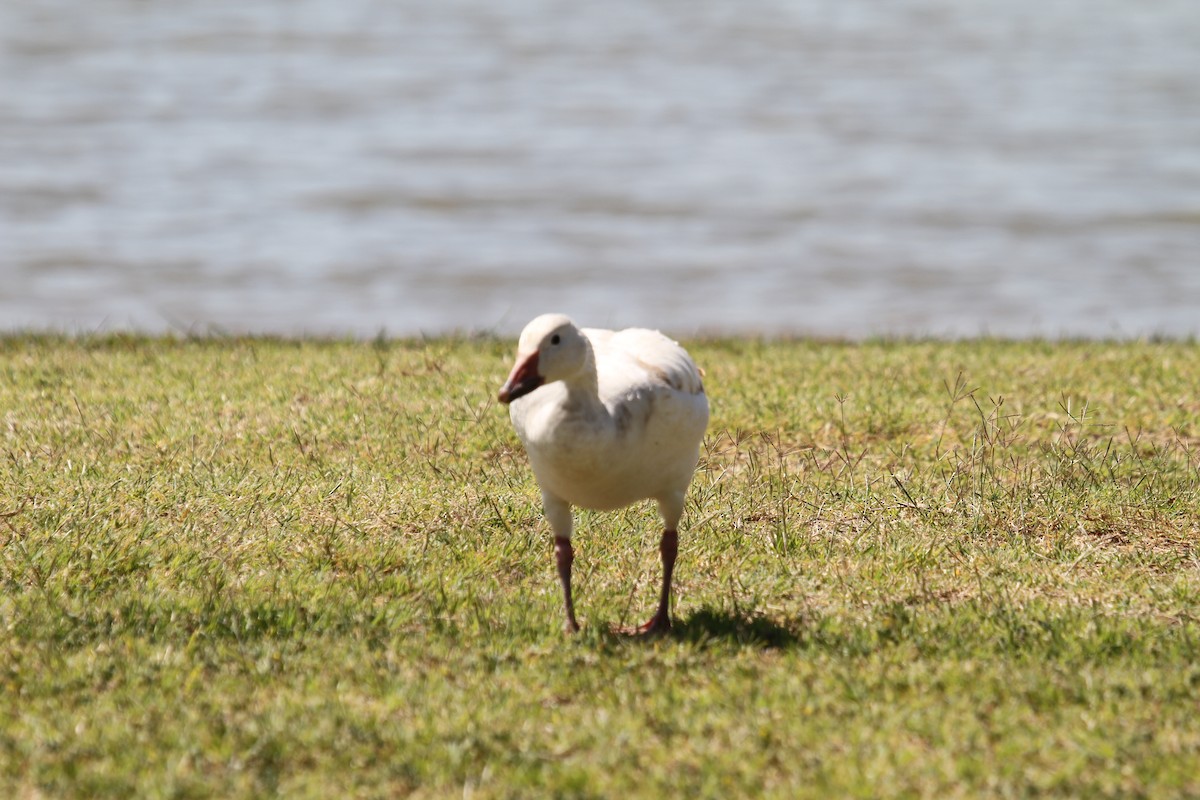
(523, 379)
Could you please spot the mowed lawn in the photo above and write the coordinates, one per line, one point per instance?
(251, 568)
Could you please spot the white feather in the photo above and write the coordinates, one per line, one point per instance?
(622, 425)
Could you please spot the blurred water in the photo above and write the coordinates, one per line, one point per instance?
(820, 167)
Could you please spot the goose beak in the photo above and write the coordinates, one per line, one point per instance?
(523, 379)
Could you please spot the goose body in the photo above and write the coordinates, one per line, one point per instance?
(608, 418)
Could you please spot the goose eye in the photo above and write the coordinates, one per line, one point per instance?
(555, 339)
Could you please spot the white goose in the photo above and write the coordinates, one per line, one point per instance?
(608, 418)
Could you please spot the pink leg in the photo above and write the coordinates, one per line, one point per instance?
(661, 621)
(565, 555)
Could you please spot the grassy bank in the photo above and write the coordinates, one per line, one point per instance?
(247, 567)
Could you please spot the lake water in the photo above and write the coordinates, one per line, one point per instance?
(919, 167)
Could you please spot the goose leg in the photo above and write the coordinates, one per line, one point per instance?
(661, 621)
(559, 514)
(565, 555)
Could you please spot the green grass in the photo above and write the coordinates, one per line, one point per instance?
(245, 568)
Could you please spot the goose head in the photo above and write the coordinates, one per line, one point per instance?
(550, 349)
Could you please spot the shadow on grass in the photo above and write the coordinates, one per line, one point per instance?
(738, 627)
